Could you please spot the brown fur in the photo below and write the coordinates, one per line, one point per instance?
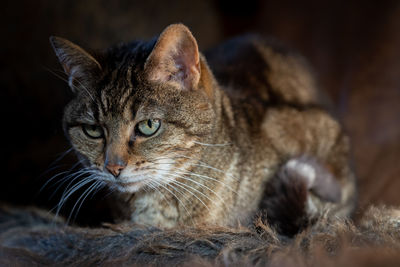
(31, 237)
(230, 122)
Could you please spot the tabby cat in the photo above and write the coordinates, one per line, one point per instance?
(189, 139)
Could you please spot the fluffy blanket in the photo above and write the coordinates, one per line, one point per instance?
(31, 237)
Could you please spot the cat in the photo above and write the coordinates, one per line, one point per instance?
(188, 138)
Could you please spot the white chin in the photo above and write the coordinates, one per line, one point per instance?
(131, 187)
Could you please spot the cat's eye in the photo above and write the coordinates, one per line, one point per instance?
(148, 127)
(93, 131)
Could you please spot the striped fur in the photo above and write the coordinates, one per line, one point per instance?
(231, 121)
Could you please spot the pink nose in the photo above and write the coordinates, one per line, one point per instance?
(115, 169)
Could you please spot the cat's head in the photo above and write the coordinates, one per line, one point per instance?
(140, 110)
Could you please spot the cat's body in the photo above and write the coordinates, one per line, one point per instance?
(229, 134)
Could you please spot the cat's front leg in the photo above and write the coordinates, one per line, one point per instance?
(301, 190)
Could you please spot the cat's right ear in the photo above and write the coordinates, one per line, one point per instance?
(79, 65)
(175, 58)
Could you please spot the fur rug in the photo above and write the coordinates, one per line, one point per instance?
(31, 237)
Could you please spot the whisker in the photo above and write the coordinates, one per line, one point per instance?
(52, 167)
(212, 145)
(201, 185)
(68, 190)
(84, 87)
(183, 186)
(101, 185)
(174, 174)
(62, 156)
(183, 205)
(205, 165)
(69, 83)
(202, 164)
(178, 191)
(64, 180)
(57, 75)
(52, 178)
(84, 195)
(71, 191)
(79, 174)
(205, 177)
(55, 176)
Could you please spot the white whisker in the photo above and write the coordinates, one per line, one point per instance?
(205, 165)
(182, 171)
(200, 164)
(183, 186)
(83, 196)
(68, 192)
(177, 198)
(62, 156)
(212, 145)
(201, 185)
(78, 174)
(70, 83)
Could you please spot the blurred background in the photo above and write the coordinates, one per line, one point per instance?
(354, 47)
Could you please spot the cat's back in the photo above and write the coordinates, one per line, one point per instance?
(263, 69)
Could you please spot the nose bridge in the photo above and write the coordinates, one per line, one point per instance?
(116, 154)
(115, 150)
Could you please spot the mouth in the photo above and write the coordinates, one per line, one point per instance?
(131, 186)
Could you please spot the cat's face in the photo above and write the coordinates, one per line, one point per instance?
(136, 119)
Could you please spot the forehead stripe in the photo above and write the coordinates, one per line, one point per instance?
(128, 89)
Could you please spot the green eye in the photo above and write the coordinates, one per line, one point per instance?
(148, 127)
(93, 131)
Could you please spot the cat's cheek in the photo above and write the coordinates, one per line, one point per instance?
(90, 149)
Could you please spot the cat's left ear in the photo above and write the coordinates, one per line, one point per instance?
(175, 58)
(78, 64)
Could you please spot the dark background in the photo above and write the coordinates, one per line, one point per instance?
(354, 47)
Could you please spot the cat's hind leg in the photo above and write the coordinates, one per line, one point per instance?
(301, 190)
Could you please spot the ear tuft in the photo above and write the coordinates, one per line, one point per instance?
(78, 64)
(175, 58)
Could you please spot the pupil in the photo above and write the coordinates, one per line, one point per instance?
(149, 124)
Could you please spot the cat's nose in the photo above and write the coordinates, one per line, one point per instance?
(115, 169)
